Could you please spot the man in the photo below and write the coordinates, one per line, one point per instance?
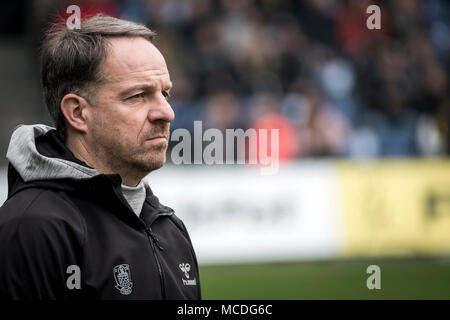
(79, 221)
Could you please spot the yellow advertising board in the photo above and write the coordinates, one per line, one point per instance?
(395, 207)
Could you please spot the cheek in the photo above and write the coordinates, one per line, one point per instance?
(103, 125)
(112, 120)
(126, 127)
(133, 125)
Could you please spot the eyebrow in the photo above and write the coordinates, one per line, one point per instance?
(151, 86)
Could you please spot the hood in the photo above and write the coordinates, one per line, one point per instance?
(36, 153)
(38, 158)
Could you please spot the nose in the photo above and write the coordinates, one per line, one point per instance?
(161, 110)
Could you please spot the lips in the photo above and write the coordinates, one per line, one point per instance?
(159, 137)
(159, 133)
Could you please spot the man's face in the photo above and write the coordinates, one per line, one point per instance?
(130, 117)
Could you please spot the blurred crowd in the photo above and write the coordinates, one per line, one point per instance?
(311, 68)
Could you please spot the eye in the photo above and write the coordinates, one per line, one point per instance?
(166, 94)
(137, 96)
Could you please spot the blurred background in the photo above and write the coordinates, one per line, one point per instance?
(364, 118)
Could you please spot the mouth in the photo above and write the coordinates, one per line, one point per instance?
(158, 139)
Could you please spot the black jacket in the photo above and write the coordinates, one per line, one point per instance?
(51, 229)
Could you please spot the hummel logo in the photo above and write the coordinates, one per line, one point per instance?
(186, 267)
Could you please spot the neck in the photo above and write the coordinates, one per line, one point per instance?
(81, 151)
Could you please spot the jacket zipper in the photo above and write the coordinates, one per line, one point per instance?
(154, 241)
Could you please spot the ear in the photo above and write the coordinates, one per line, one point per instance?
(73, 107)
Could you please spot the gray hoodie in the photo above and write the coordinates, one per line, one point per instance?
(32, 165)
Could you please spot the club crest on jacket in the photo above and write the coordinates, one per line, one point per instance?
(122, 276)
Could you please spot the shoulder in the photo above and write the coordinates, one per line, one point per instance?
(38, 241)
(178, 222)
(37, 211)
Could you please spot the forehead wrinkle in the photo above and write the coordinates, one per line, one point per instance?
(153, 72)
(118, 63)
(157, 79)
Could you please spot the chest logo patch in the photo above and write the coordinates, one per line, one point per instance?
(186, 267)
(122, 276)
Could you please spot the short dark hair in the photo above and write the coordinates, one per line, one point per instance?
(71, 59)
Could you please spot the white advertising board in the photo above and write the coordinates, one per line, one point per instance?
(235, 214)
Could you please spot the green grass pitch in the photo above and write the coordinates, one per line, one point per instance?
(340, 279)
